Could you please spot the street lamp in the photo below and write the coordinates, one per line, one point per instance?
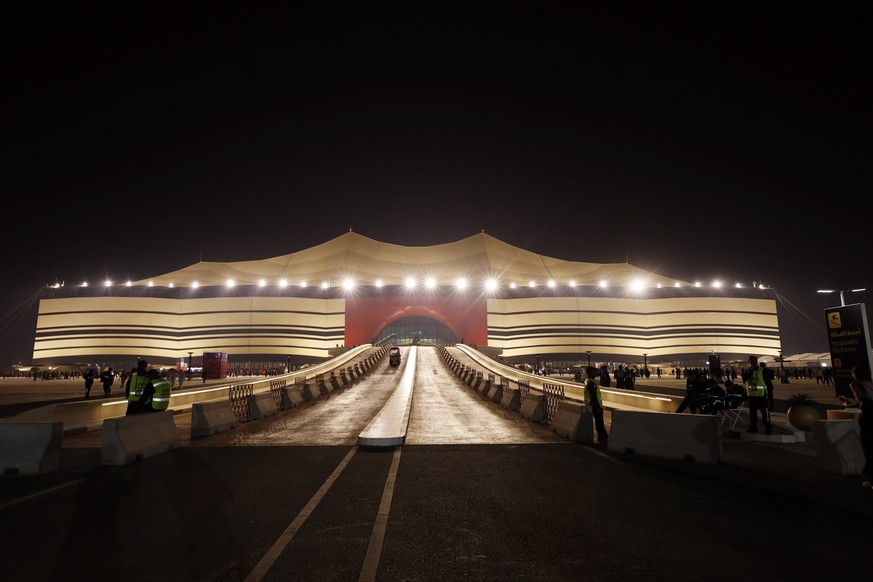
(589, 357)
(645, 362)
(288, 367)
(190, 355)
(842, 293)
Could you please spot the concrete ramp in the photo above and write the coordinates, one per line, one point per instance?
(388, 427)
(30, 448)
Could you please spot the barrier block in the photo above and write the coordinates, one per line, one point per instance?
(293, 397)
(30, 448)
(495, 393)
(574, 421)
(262, 405)
(209, 418)
(511, 399)
(311, 392)
(534, 407)
(688, 437)
(140, 436)
(838, 446)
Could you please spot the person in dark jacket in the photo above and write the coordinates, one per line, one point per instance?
(107, 378)
(695, 386)
(89, 381)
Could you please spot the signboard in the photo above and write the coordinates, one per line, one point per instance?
(849, 341)
(215, 364)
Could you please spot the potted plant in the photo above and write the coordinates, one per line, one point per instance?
(802, 412)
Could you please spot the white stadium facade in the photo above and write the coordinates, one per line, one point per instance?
(354, 290)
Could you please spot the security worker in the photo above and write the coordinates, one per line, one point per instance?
(592, 399)
(135, 385)
(155, 396)
(756, 390)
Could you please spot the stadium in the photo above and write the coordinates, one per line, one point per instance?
(301, 307)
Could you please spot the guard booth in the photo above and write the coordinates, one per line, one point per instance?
(215, 365)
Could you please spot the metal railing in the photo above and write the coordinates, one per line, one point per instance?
(552, 393)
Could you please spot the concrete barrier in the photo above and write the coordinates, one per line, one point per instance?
(209, 418)
(30, 448)
(838, 446)
(689, 437)
(574, 421)
(87, 414)
(511, 399)
(140, 436)
(262, 405)
(311, 392)
(534, 407)
(294, 396)
(495, 393)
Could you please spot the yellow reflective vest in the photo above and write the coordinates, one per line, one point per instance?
(161, 399)
(137, 385)
(589, 389)
(755, 386)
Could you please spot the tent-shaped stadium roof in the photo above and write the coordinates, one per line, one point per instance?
(367, 261)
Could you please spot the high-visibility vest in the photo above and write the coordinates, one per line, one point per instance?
(161, 398)
(589, 390)
(137, 385)
(755, 385)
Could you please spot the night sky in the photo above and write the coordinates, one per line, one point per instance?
(711, 140)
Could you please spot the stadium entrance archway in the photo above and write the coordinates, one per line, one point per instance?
(414, 329)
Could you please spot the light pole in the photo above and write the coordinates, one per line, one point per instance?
(645, 362)
(842, 293)
(589, 357)
(288, 366)
(190, 355)
(782, 377)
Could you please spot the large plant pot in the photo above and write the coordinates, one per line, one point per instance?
(803, 417)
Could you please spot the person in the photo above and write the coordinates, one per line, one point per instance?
(769, 376)
(756, 394)
(205, 374)
(694, 388)
(862, 397)
(136, 383)
(605, 381)
(619, 377)
(181, 378)
(593, 399)
(155, 396)
(107, 377)
(89, 381)
(577, 376)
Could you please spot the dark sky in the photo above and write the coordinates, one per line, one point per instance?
(696, 140)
